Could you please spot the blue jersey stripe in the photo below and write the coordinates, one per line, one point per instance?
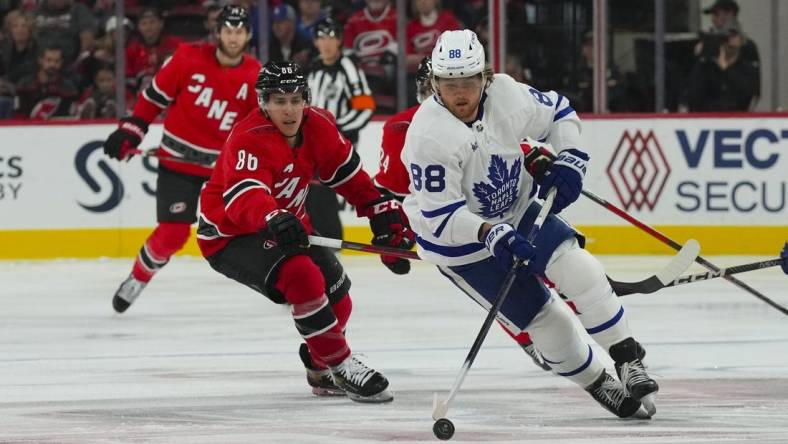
(443, 210)
(607, 324)
(563, 113)
(582, 367)
(454, 251)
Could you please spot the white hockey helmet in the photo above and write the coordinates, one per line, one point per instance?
(457, 54)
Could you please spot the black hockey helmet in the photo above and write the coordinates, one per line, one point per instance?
(280, 77)
(425, 70)
(328, 27)
(423, 74)
(234, 17)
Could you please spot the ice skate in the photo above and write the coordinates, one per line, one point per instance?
(319, 379)
(611, 395)
(361, 383)
(631, 371)
(531, 351)
(129, 290)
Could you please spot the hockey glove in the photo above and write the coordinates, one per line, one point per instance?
(566, 175)
(784, 255)
(288, 232)
(537, 160)
(507, 245)
(390, 228)
(124, 140)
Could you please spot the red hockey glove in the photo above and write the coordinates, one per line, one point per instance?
(124, 140)
(390, 228)
(288, 231)
(537, 160)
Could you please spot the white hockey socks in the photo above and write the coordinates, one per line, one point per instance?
(580, 277)
(557, 338)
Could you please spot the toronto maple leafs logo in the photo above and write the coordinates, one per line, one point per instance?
(497, 196)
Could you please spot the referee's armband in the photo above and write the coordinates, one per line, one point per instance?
(362, 102)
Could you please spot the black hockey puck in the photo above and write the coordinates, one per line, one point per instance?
(443, 429)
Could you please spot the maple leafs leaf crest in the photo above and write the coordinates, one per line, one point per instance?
(495, 201)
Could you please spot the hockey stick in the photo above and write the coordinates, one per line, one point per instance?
(441, 408)
(655, 233)
(154, 152)
(671, 271)
(724, 272)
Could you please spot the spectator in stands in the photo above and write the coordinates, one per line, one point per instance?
(146, 52)
(423, 31)
(46, 94)
(98, 101)
(309, 13)
(68, 24)
(721, 79)
(211, 16)
(287, 45)
(371, 35)
(18, 58)
(724, 16)
(105, 45)
(578, 84)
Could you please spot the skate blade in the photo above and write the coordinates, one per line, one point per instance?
(384, 396)
(647, 402)
(327, 392)
(640, 413)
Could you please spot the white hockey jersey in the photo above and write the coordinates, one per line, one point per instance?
(462, 175)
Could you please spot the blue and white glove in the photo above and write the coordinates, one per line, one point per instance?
(506, 245)
(784, 255)
(565, 174)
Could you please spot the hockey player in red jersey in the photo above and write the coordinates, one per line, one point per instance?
(254, 229)
(205, 90)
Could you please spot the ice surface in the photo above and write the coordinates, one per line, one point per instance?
(201, 359)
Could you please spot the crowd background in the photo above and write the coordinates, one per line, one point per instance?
(57, 57)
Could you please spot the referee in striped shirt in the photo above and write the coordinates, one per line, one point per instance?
(338, 85)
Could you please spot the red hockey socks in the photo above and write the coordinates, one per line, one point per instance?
(166, 240)
(303, 285)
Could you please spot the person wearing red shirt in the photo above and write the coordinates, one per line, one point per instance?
(253, 225)
(146, 53)
(371, 36)
(205, 90)
(423, 31)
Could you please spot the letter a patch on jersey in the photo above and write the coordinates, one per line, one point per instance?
(497, 196)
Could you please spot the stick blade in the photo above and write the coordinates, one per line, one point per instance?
(681, 261)
(439, 408)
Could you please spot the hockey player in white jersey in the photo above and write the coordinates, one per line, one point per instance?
(471, 205)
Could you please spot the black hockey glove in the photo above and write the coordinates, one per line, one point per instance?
(288, 232)
(390, 228)
(124, 140)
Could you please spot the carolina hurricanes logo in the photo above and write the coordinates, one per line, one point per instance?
(426, 39)
(373, 42)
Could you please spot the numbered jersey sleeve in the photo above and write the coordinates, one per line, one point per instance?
(446, 225)
(248, 181)
(392, 174)
(550, 118)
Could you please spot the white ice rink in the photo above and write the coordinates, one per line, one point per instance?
(201, 359)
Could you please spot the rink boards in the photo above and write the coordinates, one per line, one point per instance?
(721, 179)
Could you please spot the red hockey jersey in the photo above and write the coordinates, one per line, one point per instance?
(258, 172)
(203, 100)
(421, 39)
(392, 174)
(370, 37)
